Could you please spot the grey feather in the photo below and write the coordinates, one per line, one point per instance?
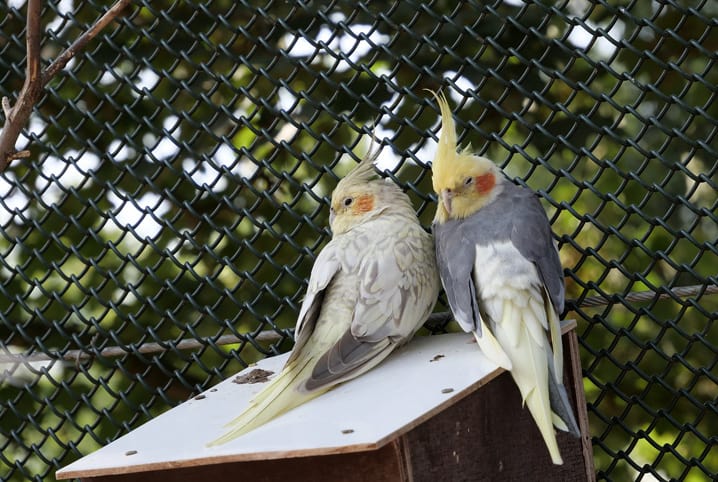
(515, 215)
(455, 255)
(344, 358)
(374, 287)
(559, 401)
(531, 234)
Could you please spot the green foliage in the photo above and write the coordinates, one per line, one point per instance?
(180, 169)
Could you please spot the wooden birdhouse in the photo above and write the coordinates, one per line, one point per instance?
(436, 410)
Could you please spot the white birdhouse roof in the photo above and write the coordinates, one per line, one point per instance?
(412, 385)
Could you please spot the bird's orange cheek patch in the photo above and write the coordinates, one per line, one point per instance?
(485, 183)
(364, 204)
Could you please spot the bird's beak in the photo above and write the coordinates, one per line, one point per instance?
(446, 197)
(332, 215)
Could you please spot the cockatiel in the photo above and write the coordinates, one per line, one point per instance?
(502, 276)
(371, 288)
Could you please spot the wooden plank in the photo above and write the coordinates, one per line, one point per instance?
(489, 436)
(574, 385)
(382, 465)
(418, 381)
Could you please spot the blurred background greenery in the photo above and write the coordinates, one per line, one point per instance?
(180, 168)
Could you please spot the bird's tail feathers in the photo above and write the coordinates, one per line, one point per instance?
(491, 348)
(564, 418)
(528, 353)
(556, 343)
(281, 395)
(536, 393)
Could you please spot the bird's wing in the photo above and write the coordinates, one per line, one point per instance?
(531, 235)
(389, 308)
(455, 256)
(324, 269)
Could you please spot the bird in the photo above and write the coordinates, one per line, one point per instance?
(371, 288)
(502, 275)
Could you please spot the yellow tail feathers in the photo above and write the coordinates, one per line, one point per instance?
(281, 395)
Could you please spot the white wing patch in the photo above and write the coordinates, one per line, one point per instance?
(511, 292)
(324, 269)
(500, 266)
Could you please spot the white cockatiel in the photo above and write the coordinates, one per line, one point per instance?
(371, 288)
(502, 276)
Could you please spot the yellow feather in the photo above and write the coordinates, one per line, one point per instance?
(529, 369)
(555, 329)
(531, 375)
(491, 348)
(451, 167)
(445, 161)
(281, 395)
(446, 147)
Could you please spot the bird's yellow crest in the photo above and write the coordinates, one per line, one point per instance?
(463, 181)
(448, 160)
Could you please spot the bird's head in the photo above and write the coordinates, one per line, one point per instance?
(362, 195)
(463, 182)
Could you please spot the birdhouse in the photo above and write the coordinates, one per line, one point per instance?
(436, 409)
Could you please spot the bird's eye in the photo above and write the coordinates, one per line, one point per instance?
(348, 201)
(468, 180)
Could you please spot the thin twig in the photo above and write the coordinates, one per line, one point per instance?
(16, 117)
(79, 44)
(272, 336)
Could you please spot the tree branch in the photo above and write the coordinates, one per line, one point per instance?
(79, 44)
(16, 117)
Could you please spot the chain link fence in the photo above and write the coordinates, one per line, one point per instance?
(160, 235)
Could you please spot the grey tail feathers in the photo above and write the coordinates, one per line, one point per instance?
(560, 404)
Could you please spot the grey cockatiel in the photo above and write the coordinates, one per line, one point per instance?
(502, 276)
(371, 288)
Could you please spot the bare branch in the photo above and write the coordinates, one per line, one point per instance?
(61, 61)
(32, 43)
(16, 117)
(6, 108)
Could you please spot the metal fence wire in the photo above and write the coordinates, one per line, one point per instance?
(160, 236)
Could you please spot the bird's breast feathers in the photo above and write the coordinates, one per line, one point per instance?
(499, 266)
